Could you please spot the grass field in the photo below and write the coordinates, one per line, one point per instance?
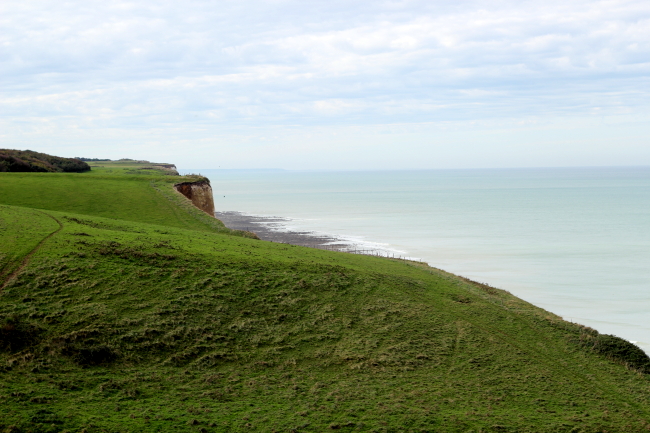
(118, 191)
(136, 315)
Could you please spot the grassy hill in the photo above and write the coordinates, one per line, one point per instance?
(124, 309)
(125, 191)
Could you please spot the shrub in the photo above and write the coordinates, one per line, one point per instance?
(616, 349)
(30, 161)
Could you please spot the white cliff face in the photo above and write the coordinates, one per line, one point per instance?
(200, 193)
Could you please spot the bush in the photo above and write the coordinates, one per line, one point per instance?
(30, 161)
(616, 349)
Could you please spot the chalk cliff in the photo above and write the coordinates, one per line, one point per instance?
(200, 193)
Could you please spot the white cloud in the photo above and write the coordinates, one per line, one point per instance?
(200, 65)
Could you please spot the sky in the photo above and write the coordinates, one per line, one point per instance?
(329, 84)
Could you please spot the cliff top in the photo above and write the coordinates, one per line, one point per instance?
(129, 166)
(125, 190)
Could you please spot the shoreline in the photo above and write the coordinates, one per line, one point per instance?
(271, 229)
(267, 229)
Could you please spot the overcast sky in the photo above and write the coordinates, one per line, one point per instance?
(329, 84)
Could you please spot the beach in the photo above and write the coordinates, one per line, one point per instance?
(271, 229)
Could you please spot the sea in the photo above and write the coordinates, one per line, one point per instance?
(574, 241)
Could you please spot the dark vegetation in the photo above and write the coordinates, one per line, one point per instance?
(118, 325)
(16, 334)
(614, 348)
(30, 161)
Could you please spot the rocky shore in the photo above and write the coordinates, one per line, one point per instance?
(270, 229)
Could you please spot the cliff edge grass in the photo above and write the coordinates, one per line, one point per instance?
(115, 322)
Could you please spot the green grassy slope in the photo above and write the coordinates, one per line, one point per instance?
(107, 193)
(20, 233)
(116, 325)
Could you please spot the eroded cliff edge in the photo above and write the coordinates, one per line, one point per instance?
(200, 193)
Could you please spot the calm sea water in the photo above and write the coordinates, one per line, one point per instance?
(575, 241)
